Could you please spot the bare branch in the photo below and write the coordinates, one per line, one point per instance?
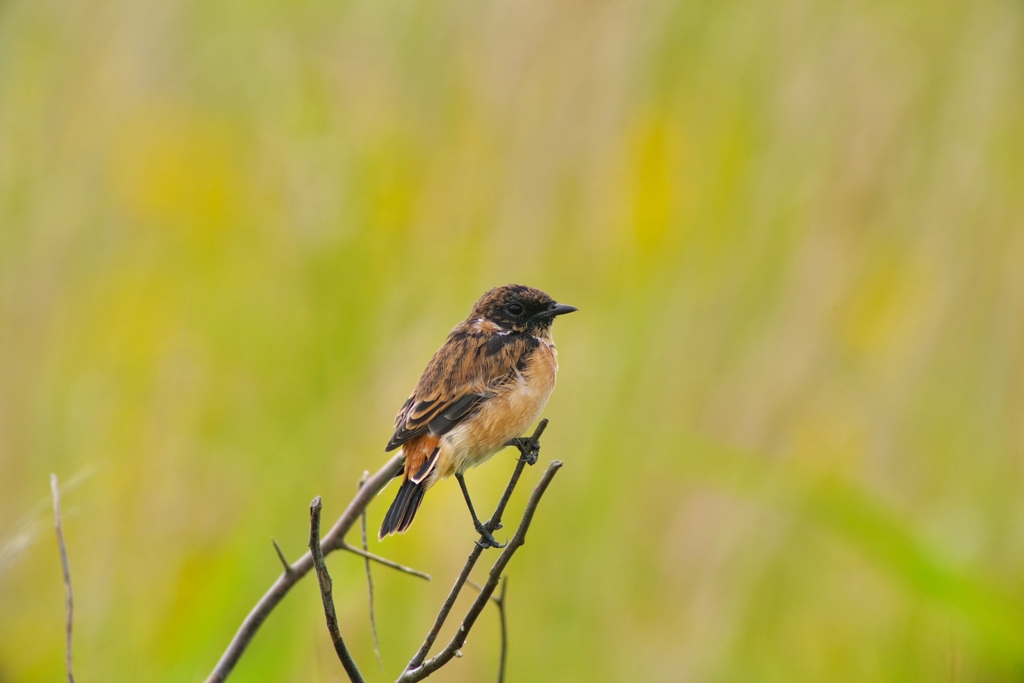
(369, 581)
(492, 526)
(68, 600)
(446, 608)
(325, 594)
(333, 540)
(417, 673)
(383, 560)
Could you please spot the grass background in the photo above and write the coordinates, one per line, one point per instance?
(232, 234)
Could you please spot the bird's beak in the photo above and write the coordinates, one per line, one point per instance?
(556, 309)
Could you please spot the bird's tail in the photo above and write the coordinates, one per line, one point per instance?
(420, 458)
(404, 507)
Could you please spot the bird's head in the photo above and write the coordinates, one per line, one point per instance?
(517, 308)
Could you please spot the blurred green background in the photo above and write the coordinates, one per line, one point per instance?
(791, 408)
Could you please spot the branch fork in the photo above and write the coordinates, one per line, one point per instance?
(419, 667)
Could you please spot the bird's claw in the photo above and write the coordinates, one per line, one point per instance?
(487, 540)
(529, 450)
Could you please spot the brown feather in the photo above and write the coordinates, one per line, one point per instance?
(469, 363)
(485, 385)
(515, 405)
(418, 453)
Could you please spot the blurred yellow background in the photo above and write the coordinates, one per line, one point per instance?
(791, 408)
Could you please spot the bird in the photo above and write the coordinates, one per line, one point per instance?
(483, 388)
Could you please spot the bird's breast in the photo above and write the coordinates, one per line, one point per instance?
(508, 414)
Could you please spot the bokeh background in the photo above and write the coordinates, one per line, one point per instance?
(791, 408)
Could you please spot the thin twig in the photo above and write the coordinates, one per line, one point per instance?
(28, 529)
(491, 526)
(280, 556)
(499, 600)
(504, 630)
(332, 540)
(355, 550)
(68, 600)
(418, 673)
(325, 594)
(369, 581)
(477, 587)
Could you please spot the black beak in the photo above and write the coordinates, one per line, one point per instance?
(556, 309)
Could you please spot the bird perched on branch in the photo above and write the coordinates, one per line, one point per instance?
(487, 383)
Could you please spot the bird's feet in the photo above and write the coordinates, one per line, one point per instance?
(529, 450)
(486, 539)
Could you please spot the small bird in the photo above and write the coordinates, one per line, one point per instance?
(487, 383)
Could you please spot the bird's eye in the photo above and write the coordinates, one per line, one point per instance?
(515, 309)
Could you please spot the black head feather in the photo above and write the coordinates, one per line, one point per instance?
(518, 308)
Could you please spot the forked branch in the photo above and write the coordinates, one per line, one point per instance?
(332, 540)
(492, 526)
(419, 667)
(413, 672)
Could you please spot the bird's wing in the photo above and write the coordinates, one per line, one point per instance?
(466, 371)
